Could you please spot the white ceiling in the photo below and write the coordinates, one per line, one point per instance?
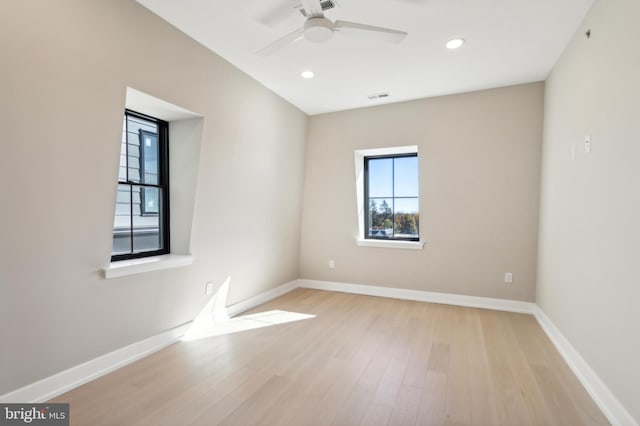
(507, 42)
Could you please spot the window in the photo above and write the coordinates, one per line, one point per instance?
(386, 185)
(391, 197)
(141, 224)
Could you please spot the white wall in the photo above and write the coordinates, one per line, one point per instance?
(479, 157)
(589, 268)
(65, 68)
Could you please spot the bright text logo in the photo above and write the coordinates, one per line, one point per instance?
(36, 414)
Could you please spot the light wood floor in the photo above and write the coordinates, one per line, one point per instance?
(360, 361)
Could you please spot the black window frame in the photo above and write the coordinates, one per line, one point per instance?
(393, 197)
(162, 184)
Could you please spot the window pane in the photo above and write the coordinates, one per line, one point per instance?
(406, 218)
(380, 177)
(122, 221)
(149, 200)
(405, 177)
(133, 153)
(146, 228)
(380, 217)
(140, 134)
(149, 157)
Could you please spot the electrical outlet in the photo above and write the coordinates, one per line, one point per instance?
(508, 277)
(332, 264)
(208, 288)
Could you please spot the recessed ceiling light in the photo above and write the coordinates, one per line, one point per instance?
(454, 43)
(307, 74)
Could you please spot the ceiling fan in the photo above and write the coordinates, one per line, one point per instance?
(319, 29)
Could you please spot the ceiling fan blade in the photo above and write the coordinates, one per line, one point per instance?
(281, 42)
(313, 8)
(369, 31)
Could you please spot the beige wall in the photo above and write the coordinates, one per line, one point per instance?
(479, 181)
(65, 68)
(589, 268)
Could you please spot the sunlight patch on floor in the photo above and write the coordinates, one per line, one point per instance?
(204, 329)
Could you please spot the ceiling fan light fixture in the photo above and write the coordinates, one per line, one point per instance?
(455, 43)
(307, 74)
(318, 30)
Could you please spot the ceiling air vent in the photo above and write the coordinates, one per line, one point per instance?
(378, 96)
(325, 4)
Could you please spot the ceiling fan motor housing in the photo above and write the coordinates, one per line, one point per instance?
(318, 30)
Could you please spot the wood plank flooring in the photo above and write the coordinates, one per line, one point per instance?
(360, 361)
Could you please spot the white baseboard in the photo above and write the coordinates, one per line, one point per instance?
(261, 298)
(599, 392)
(422, 296)
(64, 381)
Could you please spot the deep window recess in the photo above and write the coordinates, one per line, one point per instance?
(391, 197)
(141, 224)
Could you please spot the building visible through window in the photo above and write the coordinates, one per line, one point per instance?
(392, 197)
(141, 224)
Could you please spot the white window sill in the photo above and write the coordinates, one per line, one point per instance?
(409, 245)
(146, 264)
